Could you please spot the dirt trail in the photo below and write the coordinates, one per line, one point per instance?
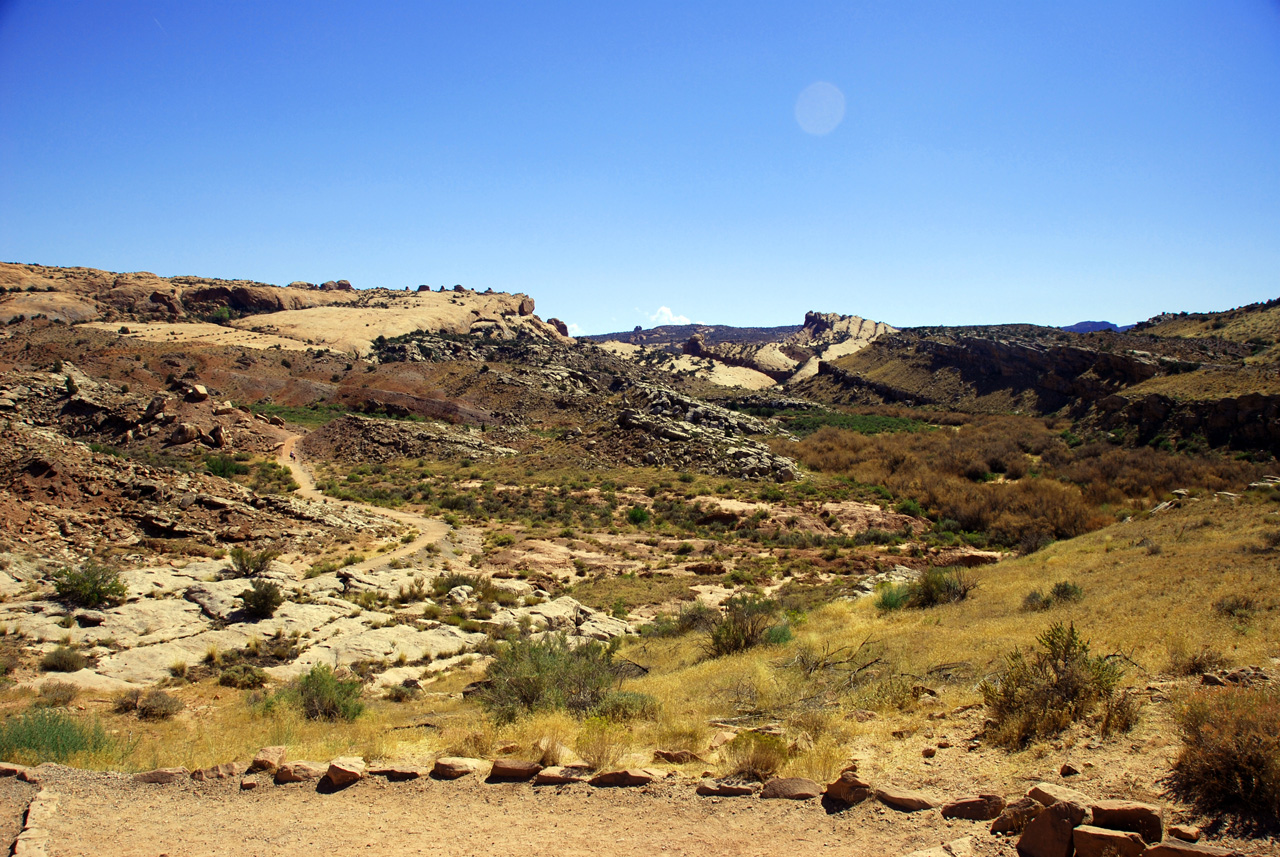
(108, 814)
(430, 530)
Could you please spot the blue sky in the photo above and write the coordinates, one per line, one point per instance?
(994, 162)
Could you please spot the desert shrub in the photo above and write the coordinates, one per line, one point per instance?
(224, 466)
(63, 660)
(1237, 607)
(243, 677)
(695, 616)
(624, 705)
(1036, 601)
(324, 696)
(743, 624)
(1199, 662)
(127, 701)
(540, 675)
(262, 598)
(56, 694)
(1042, 692)
(91, 585)
(246, 563)
(602, 743)
(1230, 757)
(49, 735)
(753, 756)
(940, 586)
(400, 693)
(158, 705)
(891, 596)
(1065, 592)
(638, 515)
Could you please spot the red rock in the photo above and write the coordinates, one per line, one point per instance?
(514, 769)
(849, 789)
(975, 807)
(453, 767)
(628, 777)
(344, 771)
(1100, 842)
(790, 788)
(677, 757)
(1050, 793)
(1173, 848)
(558, 775)
(396, 773)
(162, 776)
(1017, 815)
(268, 759)
(1185, 832)
(8, 769)
(1145, 819)
(225, 771)
(1050, 833)
(904, 800)
(298, 772)
(248, 784)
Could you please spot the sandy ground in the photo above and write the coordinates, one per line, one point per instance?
(109, 814)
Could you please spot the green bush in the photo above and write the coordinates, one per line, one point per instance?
(158, 705)
(243, 677)
(536, 675)
(891, 596)
(63, 660)
(324, 696)
(246, 563)
(743, 624)
(262, 599)
(623, 705)
(1063, 592)
(91, 585)
(49, 735)
(56, 694)
(1230, 757)
(224, 466)
(1041, 693)
(938, 586)
(638, 515)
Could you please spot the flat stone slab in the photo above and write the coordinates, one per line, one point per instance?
(791, 788)
(453, 767)
(904, 800)
(560, 775)
(715, 788)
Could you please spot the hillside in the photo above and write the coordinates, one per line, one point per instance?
(432, 531)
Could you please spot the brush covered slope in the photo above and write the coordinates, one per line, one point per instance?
(955, 558)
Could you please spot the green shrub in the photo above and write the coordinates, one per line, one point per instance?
(1036, 601)
(743, 624)
(938, 586)
(158, 705)
(623, 705)
(779, 634)
(1230, 757)
(246, 563)
(91, 585)
(127, 701)
(535, 675)
(63, 660)
(262, 599)
(1041, 693)
(49, 735)
(1065, 592)
(638, 515)
(324, 696)
(224, 466)
(753, 756)
(243, 677)
(891, 596)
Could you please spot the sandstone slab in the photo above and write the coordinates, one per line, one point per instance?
(299, 772)
(791, 788)
(1147, 820)
(626, 777)
(1050, 834)
(722, 789)
(514, 769)
(849, 789)
(975, 807)
(904, 800)
(560, 775)
(453, 767)
(162, 776)
(1092, 841)
(344, 771)
(268, 759)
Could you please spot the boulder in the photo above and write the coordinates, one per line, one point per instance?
(676, 757)
(1185, 832)
(514, 769)
(1147, 820)
(559, 775)
(1173, 848)
(904, 800)
(453, 767)
(1016, 816)
(975, 807)
(344, 771)
(162, 776)
(722, 789)
(248, 784)
(9, 769)
(184, 433)
(1051, 793)
(268, 759)
(299, 772)
(848, 789)
(560, 326)
(627, 777)
(1050, 834)
(1100, 842)
(790, 788)
(225, 771)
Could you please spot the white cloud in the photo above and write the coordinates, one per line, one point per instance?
(575, 330)
(664, 315)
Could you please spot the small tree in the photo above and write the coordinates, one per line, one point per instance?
(746, 620)
(262, 599)
(534, 675)
(91, 585)
(324, 696)
(246, 563)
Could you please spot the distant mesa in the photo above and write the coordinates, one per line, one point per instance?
(1094, 327)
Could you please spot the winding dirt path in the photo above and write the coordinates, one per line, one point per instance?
(430, 530)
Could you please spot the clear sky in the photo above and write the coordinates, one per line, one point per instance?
(627, 163)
